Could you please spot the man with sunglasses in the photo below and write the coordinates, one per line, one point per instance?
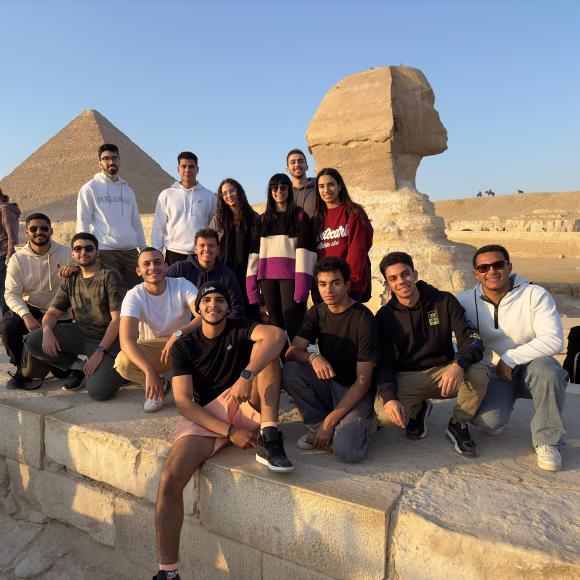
(32, 279)
(95, 295)
(107, 208)
(522, 331)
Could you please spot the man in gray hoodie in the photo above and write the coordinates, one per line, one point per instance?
(107, 208)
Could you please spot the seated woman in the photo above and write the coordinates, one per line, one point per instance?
(342, 229)
(282, 257)
(234, 222)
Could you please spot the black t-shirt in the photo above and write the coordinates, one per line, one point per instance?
(343, 339)
(213, 363)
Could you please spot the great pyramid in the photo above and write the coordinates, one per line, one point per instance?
(49, 180)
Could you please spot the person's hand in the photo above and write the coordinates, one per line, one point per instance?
(154, 385)
(50, 344)
(93, 363)
(322, 368)
(243, 438)
(166, 352)
(451, 380)
(67, 271)
(396, 413)
(241, 390)
(503, 371)
(324, 433)
(30, 322)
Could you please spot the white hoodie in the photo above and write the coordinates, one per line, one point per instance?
(524, 326)
(108, 209)
(32, 278)
(179, 214)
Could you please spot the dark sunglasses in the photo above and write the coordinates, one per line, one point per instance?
(499, 265)
(88, 249)
(34, 229)
(279, 187)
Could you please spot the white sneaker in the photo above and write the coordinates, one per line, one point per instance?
(152, 406)
(549, 457)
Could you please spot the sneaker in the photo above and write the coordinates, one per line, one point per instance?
(549, 457)
(417, 426)
(162, 575)
(74, 382)
(152, 405)
(458, 434)
(270, 450)
(306, 442)
(17, 381)
(59, 373)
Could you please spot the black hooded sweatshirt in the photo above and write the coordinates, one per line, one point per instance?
(420, 337)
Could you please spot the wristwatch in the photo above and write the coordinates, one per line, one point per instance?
(248, 375)
(178, 333)
(100, 348)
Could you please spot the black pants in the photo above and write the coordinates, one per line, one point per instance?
(172, 257)
(13, 330)
(283, 310)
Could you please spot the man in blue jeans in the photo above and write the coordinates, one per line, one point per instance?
(332, 386)
(521, 330)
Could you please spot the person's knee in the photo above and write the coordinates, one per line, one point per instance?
(491, 422)
(350, 442)
(33, 341)
(99, 390)
(546, 371)
(478, 377)
(122, 364)
(171, 485)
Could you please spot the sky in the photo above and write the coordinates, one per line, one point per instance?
(238, 82)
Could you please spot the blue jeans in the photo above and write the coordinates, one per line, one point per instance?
(544, 381)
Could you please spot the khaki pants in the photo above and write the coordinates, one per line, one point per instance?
(417, 386)
(152, 349)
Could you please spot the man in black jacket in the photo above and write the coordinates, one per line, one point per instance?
(205, 266)
(418, 359)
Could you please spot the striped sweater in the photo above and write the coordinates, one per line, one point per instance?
(277, 256)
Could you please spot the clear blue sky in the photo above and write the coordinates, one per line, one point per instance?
(238, 82)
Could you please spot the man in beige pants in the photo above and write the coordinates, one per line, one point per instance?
(154, 315)
(418, 359)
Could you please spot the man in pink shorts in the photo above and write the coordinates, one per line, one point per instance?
(226, 384)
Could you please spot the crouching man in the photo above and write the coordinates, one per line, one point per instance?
(332, 386)
(226, 383)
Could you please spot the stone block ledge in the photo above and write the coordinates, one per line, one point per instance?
(411, 510)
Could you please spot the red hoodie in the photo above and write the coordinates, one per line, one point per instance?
(349, 236)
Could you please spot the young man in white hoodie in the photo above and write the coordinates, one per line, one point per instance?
(521, 331)
(183, 209)
(107, 208)
(32, 279)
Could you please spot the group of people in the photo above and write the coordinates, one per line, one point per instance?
(216, 310)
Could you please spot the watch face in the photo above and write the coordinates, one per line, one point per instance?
(245, 374)
(178, 333)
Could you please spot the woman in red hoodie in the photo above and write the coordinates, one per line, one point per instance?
(343, 229)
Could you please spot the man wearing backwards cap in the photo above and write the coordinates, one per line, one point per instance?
(226, 383)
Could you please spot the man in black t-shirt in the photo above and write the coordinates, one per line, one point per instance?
(226, 384)
(332, 386)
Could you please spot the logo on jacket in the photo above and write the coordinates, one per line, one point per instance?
(433, 318)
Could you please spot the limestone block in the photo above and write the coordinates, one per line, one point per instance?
(203, 554)
(331, 522)
(4, 478)
(66, 498)
(100, 442)
(532, 532)
(22, 427)
(275, 569)
(15, 535)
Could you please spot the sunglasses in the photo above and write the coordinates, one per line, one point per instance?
(483, 268)
(88, 249)
(279, 187)
(34, 229)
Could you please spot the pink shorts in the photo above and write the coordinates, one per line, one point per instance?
(227, 409)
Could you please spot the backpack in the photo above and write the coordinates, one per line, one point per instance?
(572, 360)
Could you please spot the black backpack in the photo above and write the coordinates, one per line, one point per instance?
(572, 360)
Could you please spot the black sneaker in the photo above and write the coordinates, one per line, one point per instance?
(60, 373)
(17, 381)
(270, 450)
(417, 426)
(162, 575)
(458, 434)
(74, 381)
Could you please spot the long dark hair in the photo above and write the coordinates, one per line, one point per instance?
(343, 196)
(225, 217)
(271, 215)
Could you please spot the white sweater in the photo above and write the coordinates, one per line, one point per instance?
(523, 327)
(108, 210)
(179, 214)
(32, 278)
